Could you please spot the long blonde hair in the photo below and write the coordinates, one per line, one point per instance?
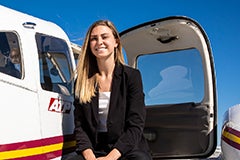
(87, 69)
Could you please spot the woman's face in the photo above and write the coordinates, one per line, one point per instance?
(102, 42)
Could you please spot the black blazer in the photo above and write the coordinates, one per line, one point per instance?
(126, 116)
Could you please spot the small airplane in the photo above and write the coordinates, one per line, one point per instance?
(36, 81)
(230, 138)
(37, 64)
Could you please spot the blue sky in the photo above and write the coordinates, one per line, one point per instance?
(220, 20)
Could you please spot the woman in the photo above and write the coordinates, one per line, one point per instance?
(109, 100)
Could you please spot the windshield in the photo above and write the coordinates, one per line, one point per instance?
(54, 64)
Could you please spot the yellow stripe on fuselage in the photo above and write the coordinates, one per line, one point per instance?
(36, 150)
(231, 137)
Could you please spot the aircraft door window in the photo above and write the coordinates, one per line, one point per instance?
(173, 77)
(10, 56)
(54, 65)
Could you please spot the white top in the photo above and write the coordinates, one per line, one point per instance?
(104, 99)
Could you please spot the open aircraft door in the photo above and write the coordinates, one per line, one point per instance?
(176, 63)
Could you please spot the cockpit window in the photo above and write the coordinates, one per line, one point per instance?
(54, 64)
(10, 55)
(172, 77)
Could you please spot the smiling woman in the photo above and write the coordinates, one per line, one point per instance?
(109, 121)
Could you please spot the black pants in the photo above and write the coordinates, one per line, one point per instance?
(134, 155)
(102, 149)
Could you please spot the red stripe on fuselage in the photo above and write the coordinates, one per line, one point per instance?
(39, 143)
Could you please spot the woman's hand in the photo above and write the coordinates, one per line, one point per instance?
(113, 155)
(88, 154)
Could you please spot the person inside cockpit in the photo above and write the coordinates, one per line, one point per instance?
(11, 64)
